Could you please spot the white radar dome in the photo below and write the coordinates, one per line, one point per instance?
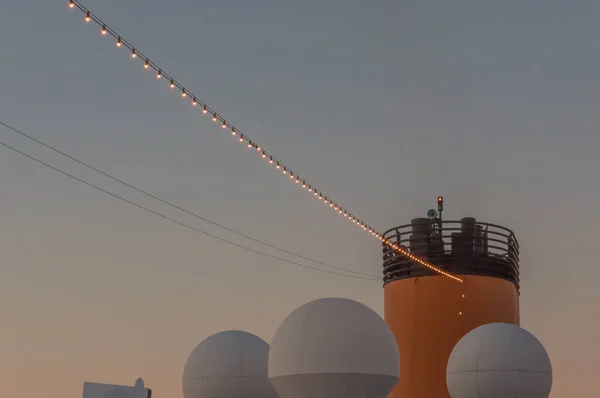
(499, 360)
(333, 347)
(229, 364)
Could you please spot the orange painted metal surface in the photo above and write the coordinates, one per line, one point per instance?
(429, 315)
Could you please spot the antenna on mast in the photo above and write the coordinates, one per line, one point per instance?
(436, 215)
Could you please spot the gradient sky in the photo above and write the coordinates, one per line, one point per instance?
(493, 104)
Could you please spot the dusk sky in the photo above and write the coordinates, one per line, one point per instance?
(493, 104)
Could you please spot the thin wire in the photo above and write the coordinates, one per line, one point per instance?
(174, 220)
(62, 153)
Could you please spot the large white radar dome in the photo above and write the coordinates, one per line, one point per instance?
(499, 360)
(228, 364)
(333, 347)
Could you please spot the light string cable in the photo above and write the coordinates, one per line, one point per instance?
(177, 207)
(217, 118)
(173, 220)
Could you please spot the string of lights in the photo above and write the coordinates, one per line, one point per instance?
(244, 139)
(188, 226)
(112, 177)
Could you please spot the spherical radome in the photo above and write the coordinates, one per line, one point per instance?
(333, 347)
(499, 360)
(229, 364)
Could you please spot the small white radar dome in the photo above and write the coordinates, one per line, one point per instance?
(333, 347)
(229, 364)
(499, 360)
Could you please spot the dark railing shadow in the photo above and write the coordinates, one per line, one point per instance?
(465, 247)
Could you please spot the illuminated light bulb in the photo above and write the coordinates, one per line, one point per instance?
(303, 184)
(258, 148)
(462, 295)
(103, 31)
(87, 17)
(204, 110)
(249, 145)
(330, 204)
(71, 4)
(224, 125)
(183, 93)
(146, 64)
(291, 175)
(195, 102)
(214, 117)
(278, 166)
(172, 84)
(271, 159)
(284, 170)
(159, 74)
(233, 131)
(459, 312)
(264, 155)
(309, 188)
(315, 193)
(133, 53)
(340, 211)
(241, 138)
(119, 42)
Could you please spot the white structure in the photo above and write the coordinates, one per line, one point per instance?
(333, 347)
(229, 364)
(98, 390)
(499, 360)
